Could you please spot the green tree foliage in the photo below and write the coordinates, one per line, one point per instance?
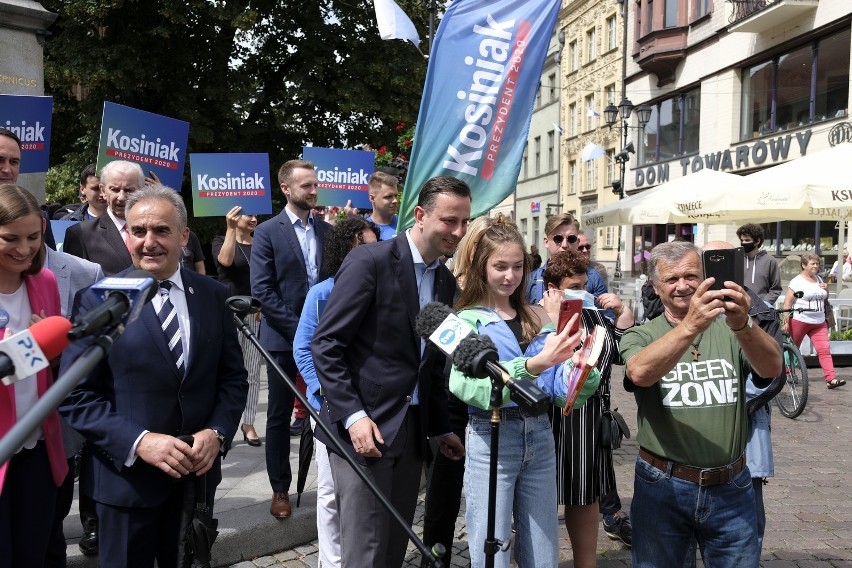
(248, 75)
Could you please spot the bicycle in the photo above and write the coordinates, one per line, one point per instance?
(793, 397)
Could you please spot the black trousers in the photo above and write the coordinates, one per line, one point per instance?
(27, 503)
(278, 413)
(444, 490)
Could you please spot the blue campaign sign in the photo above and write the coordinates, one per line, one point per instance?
(30, 119)
(342, 175)
(59, 228)
(155, 142)
(223, 181)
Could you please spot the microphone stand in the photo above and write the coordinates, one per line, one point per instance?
(241, 310)
(492, 544)
(53, 397)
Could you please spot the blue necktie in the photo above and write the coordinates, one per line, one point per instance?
(169, 323)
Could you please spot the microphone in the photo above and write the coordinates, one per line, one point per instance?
(122, 299)
(28, 352)
(243, 305)
(474, 354)
(441, 326)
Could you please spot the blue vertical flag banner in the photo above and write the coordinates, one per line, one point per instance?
(30, 118)
(223, 181)
(155, 142)
(483, 74)
(342, 175)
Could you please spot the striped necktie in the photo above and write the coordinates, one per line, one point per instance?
(169, 323)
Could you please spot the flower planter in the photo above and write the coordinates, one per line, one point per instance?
(841, 347)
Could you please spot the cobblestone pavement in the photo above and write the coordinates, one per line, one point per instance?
(808, 503)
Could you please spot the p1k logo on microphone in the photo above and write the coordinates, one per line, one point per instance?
(449, 334)
(25, 354)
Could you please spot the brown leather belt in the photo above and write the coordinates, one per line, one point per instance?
(702, 477)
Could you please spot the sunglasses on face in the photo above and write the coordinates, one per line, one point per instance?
(559, 238)
(584, 247)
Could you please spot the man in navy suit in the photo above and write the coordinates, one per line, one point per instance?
(285, 258)
(383, 385)
(133, 406)
(103, 239)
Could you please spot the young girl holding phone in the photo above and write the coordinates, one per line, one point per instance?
(492, 302)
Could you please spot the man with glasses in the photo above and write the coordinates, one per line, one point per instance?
(562, 233)
(584, 247)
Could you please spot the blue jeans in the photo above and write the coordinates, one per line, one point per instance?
(667, 513)
(526, 489)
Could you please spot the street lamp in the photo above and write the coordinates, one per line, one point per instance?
(612, 114)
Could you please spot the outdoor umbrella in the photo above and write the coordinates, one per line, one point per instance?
(306, 454)
(702, 197)
(814, 187)
(811, 188)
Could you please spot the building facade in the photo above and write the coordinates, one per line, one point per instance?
(736, 86)
(592, 79)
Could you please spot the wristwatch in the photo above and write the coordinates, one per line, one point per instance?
(746, 328)
(221, 437)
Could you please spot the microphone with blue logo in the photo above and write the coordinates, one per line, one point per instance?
(475, 355)
(121, 300)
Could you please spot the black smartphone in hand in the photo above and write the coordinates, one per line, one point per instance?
(724, 264)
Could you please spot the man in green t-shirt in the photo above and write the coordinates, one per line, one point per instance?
(688, 369)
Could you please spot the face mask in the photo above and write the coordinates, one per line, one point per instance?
(588, 299)
(748, 247)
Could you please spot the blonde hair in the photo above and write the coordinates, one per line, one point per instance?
(467, 245)
(501, 231)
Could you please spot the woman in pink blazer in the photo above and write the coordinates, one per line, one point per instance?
(28, 293)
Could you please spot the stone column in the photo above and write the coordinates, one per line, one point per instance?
(22, 32)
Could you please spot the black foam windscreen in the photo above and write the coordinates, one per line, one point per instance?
(467, 356)
(430, 317)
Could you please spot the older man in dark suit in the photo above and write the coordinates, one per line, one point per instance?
(177, 370)
(384, 387)
(104, 239)
(285, 258)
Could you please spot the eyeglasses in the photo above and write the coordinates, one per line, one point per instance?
(559, 238)
(584, 247)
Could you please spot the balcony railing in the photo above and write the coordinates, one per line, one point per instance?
(758, 16)
(745, 8)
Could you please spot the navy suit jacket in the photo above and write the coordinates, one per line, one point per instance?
(366, 351)
(139, 388)
(99, 241)
(279, 278)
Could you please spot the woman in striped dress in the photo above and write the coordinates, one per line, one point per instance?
(584, 468)
(232, 253)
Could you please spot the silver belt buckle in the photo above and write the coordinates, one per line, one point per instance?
(706, 482)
